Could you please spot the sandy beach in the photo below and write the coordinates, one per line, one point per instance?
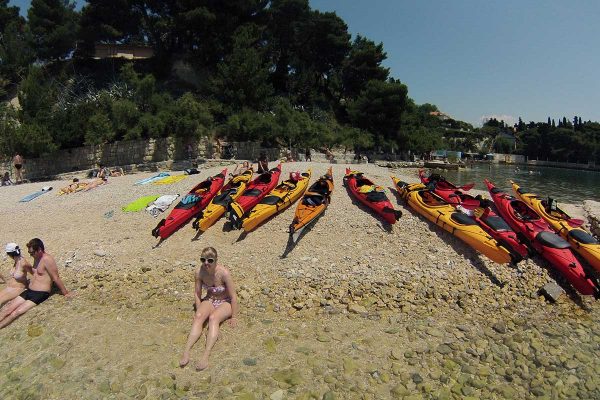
(356, 310)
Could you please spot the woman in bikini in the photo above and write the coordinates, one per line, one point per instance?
(17, 282)
(219, 304)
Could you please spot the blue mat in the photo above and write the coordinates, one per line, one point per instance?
(152, 178)
(35, 195)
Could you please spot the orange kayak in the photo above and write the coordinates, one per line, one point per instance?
(314, 203)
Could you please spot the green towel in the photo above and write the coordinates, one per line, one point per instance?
(141, 203)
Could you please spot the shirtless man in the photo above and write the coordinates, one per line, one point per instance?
(44, 273)
(18, 163)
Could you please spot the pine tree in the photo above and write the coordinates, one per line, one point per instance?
(53, 25)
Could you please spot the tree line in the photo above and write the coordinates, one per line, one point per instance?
(273, 71)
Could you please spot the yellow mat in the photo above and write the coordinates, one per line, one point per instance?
(170, 179)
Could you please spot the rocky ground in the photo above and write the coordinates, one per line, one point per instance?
(355, 310)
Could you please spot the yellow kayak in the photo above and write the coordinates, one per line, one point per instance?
(217, 207)
(569, 228)
(280, 198)
(438, 211)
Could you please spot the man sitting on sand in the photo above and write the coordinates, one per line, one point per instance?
(44, 273)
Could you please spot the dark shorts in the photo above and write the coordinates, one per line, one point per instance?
(18, 166)
(36, 296)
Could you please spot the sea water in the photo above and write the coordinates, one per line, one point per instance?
(564, 185)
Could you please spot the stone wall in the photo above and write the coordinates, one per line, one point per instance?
(136, 155)
(133, 154)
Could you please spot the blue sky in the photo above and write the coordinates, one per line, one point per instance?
(475, 59)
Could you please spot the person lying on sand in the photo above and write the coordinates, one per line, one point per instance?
(75, 186)
(95, 183)
(17, 281)
(45, 272)
(219, 304)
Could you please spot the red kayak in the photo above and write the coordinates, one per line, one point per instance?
(542, 238)
(254, 193)
(190, 205)
(442, 183)
(371, 195)
(481, 211)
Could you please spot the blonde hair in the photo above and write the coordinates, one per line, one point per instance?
(209, 250)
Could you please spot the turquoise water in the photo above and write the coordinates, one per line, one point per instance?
(565, 185)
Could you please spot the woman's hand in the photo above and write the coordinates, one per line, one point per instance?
(233, 322)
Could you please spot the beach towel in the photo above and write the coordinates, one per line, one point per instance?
(161, 204)
(170, 179)
(141, 203)
(152, 178)
(35, 195)
(72, 189)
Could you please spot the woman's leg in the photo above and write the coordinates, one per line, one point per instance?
(201, 315)
(219, 315)
(21, 308)
(9, 293)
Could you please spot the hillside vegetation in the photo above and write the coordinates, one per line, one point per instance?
(277, 72)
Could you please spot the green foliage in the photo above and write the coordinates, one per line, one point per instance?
(378, 109)
(34, 139)
(15, 53)
(53, 25)
(35, 97)
(99, 129)
(273, 71)
(362, 65)
(124, 117)
(242, 79)
(503, 145)
(191, 118)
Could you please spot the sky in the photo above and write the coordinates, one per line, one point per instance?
(477, 59)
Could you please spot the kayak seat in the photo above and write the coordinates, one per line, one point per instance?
(253, 192)
(549, 239)
(582, 236)
(496, 223)
(313, 200)
(375, 196)
(463, 219)
(264, 178)
(523, 212)
(271, 200)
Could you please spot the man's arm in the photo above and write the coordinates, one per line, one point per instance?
(52, 270)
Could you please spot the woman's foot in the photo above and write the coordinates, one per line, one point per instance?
(185, 359)
(202, 364)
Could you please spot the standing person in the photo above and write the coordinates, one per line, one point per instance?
(219, 304)
(18, 162)
(263, 163)
(17, 281)
(308, 155)
(45, 272)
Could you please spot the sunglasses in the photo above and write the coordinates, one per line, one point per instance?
(209, 260)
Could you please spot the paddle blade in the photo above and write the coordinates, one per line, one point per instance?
(575, 222)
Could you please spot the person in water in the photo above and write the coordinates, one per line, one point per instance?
(45, 272)
(17, 281)
(219, 304)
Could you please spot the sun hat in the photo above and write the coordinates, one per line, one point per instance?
(12, 248)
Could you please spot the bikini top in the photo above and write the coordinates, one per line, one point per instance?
(211, 290)
(18, 275)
